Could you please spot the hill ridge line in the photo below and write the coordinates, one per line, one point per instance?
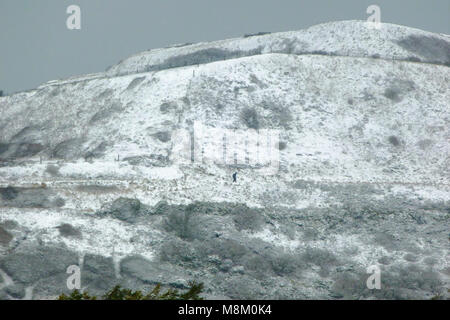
(231, 59)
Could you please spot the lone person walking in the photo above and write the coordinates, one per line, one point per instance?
(234, 176)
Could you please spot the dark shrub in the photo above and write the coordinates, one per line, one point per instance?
(392, 94)
(163, 136)
(284, 264)
(177, 252)
(259, 266)
(59, 202)
(397, 88)
(321, 258)
(136, 81)
(225, 249)
(125, 209)
(180, 221)
(52, 170)
(282, 145)
(5, 237)
(68, 149)
(247, 219)
(201, 57)
(250, 117)
(413, 59)
(67, 230)
(432, 49)
(255, 34)
(394, 141)
(9, 193)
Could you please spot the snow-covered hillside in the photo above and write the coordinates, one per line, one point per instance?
(90, 172)
(345, 38)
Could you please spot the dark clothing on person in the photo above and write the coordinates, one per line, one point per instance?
(234, 176)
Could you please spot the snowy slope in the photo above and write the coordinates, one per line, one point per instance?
(336, 116)
(344, 38)
(363, 119)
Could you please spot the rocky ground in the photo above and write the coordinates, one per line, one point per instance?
(90, 172)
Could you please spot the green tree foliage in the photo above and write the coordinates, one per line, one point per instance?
(118, 293)
(77, 295)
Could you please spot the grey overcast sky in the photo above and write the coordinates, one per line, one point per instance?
(36, 46)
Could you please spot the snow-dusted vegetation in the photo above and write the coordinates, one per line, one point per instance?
(89, 172)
